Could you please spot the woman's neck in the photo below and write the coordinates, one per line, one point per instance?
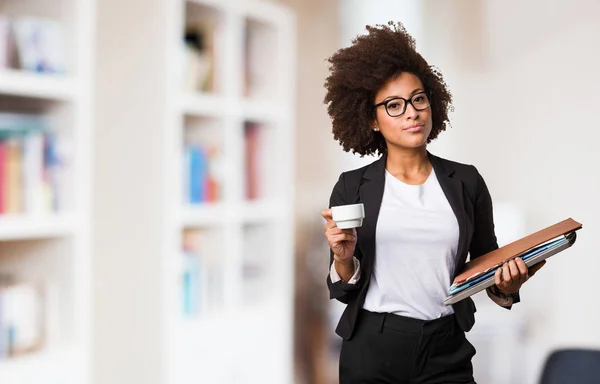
(409, 164)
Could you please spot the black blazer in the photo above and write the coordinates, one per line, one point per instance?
(470, 200)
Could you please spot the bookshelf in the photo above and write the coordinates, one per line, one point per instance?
(45, 252)
(30, 85)
(229, 299)
(23, 227)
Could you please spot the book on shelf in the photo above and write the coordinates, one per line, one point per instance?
(30, 165)
(199, 48)
(201, 273)
(192, 274)
(33, 44)
(22, 318)
(6, 43)
(259, 55)
(259, 162)
(202, 176)
(257, 262)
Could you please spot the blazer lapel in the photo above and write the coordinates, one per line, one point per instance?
(371, 194)
(453, 189)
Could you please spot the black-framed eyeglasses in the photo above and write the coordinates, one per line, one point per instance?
(397, 106)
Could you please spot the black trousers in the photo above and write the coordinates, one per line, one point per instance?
(388, 348)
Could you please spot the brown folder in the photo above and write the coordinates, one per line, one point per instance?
(515, 249)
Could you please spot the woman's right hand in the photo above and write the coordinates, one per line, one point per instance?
(341, 241)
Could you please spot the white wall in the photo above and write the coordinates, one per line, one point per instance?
(317, 155)
(525, 80)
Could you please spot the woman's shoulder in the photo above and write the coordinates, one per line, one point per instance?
(349, 181)
(468, 174)
(357, 174)
(462, 170)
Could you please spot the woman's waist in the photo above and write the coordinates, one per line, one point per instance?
(407, 324)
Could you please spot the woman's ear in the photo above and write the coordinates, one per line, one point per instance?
(375, 126)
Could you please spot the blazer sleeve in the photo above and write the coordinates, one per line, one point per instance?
(484, 237)
(341, 290)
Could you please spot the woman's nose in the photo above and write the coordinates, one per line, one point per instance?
(411, 112)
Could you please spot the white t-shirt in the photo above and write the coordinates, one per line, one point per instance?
(416, 244)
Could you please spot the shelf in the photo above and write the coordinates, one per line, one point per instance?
(203, 215)
(217, 106)
(191, 328)
(248, 116)
(203, 105)
(261, 211)
(217, 213)
(217, 4)
(198, 346)
(46, 249)
(43, 367)
(265, 12)
(20, 227)
(34, 85)
(259, 10)
(263, 110)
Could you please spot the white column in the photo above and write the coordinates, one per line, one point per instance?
(355, 16)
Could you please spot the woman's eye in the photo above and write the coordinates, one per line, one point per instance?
(418, 99)
(393, 105)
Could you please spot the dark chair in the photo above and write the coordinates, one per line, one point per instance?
(572, 366)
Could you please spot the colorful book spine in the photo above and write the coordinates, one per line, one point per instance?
(191, 283)
(192, 277)
(251, 148)
(3, 159)
(201, 174)
(33, 173)
(197, 174)
(260, 164)
(52, 169)
(30, 166)
(12, 182)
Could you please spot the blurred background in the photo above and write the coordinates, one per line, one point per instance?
(164, 163)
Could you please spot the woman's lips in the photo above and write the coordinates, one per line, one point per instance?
(413, 128)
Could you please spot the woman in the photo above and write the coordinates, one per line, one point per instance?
(424, 214)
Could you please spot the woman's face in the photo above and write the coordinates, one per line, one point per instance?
(411, 128)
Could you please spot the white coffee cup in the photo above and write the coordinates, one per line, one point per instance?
(348, 216)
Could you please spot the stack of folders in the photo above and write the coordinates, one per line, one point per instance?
(478, 274)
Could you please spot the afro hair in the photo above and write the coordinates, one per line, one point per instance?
(360, 70)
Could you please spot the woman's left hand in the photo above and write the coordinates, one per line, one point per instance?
(511, 276)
